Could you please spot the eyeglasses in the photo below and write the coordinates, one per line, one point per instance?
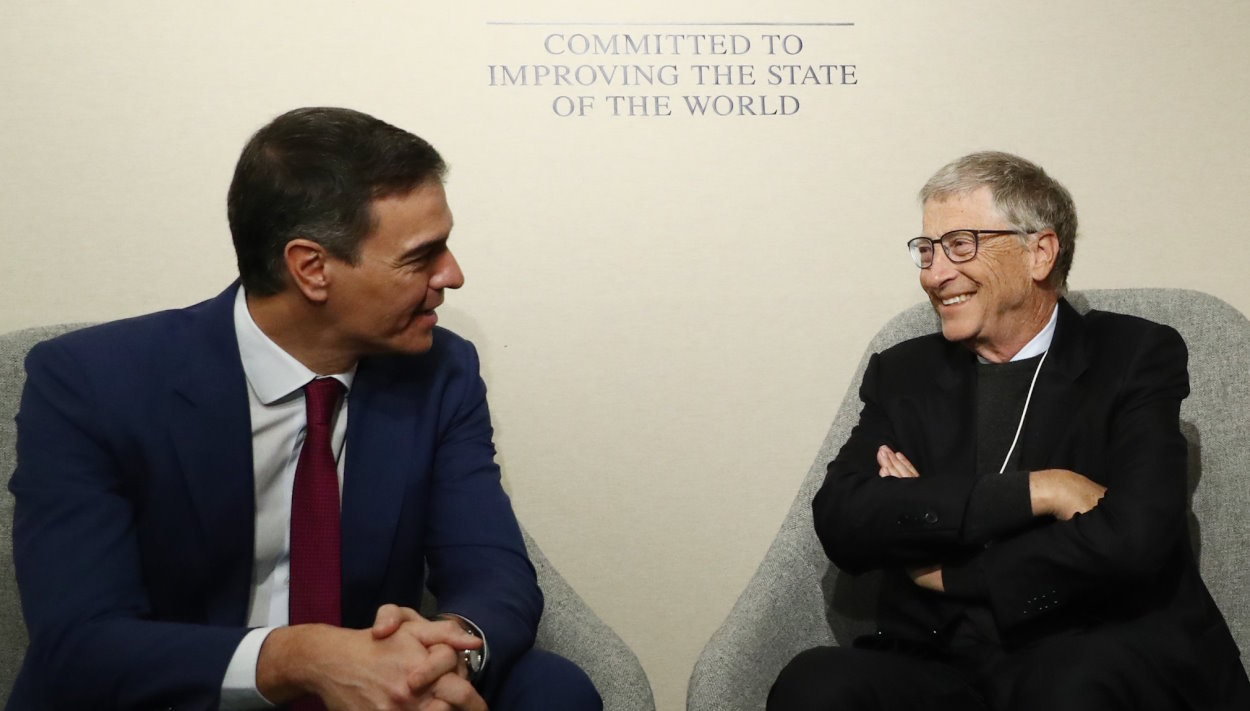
(959, 245)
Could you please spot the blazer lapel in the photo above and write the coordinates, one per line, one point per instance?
(380, 422)
(1057, 394)
(211, 431)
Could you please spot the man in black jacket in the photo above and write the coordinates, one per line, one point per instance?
(1021, 482)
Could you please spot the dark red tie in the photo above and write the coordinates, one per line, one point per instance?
(315, 563)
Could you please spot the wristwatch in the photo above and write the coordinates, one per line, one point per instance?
(474, 659)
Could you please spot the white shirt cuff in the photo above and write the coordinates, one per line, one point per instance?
(238, 688)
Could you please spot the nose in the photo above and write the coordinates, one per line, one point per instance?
(940, 271)
(448, 275)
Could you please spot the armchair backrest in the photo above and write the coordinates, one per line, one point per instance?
(13, 348)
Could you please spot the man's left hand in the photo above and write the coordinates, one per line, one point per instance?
(928, 577)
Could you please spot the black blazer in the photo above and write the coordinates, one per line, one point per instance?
(1106, 405)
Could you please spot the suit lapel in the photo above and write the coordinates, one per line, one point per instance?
(380, 422)
(211, 431)
(1057, 394)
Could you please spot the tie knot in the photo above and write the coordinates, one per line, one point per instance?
(321, 397)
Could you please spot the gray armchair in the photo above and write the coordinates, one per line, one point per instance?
(568, 627)
(797, 599)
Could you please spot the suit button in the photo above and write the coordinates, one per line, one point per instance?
(930, 517)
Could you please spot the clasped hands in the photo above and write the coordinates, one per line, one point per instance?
(404, 662)
(1061, 493)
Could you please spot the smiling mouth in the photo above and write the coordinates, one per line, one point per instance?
(951, 301)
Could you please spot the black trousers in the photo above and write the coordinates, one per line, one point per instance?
(1086, 672)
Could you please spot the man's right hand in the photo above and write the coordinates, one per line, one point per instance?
(894, 464)
(414, 665)
(1063, 493)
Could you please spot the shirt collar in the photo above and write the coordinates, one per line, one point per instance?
(272, 373)
(1041, 342)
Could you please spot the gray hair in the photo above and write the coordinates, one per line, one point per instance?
(1029, 198)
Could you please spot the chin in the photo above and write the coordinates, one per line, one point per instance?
(407, 343)
(413, 346)
(954, 331)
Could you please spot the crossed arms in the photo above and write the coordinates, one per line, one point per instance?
(1097, 517)
(1057, 493)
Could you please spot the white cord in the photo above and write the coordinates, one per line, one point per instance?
(1020, 426)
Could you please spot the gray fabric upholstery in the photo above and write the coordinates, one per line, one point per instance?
(797, 600)
(568, 627)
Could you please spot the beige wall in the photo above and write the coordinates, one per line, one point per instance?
(669, 308)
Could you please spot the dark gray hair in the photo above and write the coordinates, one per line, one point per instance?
(1030, 199)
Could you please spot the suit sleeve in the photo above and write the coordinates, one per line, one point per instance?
(92, 642)
(865, 521)
(1124, 541)
(479, 568)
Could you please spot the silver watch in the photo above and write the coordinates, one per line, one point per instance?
(474, 659)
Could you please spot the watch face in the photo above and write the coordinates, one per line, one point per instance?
(473, 660)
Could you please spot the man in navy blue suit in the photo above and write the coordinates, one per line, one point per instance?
(163, 527)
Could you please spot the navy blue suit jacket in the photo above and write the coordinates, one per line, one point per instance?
(133, 525)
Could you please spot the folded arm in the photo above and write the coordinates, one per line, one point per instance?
(1102, 541)
(867, 518)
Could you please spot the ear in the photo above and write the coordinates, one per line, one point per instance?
(306, 266)
(1044, 253)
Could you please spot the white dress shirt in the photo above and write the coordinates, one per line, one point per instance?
(275, 396)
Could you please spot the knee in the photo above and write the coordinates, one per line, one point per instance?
(810, 681)
(543, 681)
(1090, 676)
(1071, 689)
(791, 684)
(572, 689)
(844, 678)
